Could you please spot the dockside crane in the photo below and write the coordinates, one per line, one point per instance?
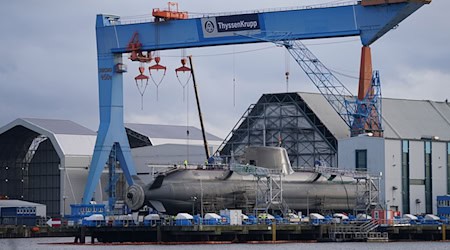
(369, 19)
(362, 114)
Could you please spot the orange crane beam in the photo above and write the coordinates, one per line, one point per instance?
(365, 73)
(171, 13)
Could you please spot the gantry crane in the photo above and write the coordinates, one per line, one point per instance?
(369, 19)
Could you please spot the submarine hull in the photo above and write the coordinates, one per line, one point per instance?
(184, 190)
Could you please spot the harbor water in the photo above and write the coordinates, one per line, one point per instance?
(48, 243)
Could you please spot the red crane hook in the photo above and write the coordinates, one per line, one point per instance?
(141, 84)
(157, 67)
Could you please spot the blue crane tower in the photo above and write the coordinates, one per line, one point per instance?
(368, 19)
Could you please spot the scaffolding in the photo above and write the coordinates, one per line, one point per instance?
(269, 187)
(367, 187)
(367, 194)
(283, 120)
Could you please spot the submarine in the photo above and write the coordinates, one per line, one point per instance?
(214, 187)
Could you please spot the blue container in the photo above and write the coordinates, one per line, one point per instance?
(93, 223)
(19, 220)
(18, 211)
(9, 212)
(198, 220)
(211, 222)
(252, 220)
(85, 210)
(80, 211)
(182, 222)
(152, 223)
(443, 206)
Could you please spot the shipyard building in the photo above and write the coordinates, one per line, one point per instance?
(47, 161)
(413, 157)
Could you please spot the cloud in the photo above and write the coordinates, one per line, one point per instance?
(49, 66)
(416, 83)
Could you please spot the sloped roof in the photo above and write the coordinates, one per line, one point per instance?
(414, 119)
(68, 138)
(167, 154)
(61, 126)
(41, 209)
(72, 139)
(329, 117)
(176, 132)
(402, 118)
(18, 203)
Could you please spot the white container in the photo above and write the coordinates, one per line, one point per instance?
(340, 216)
(210, 216)
(95, 217)
(431, 217)
(410, 217)
(152, 217)
(235, 216)
(184, 216)
(363, 217)
(316, 216)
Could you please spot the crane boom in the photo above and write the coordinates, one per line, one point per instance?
(329, 86)
(362, 114)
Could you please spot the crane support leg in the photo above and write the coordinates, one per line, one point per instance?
(111, 130)
(367, 112)
(365, 73)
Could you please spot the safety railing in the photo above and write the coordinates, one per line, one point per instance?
(149, 18)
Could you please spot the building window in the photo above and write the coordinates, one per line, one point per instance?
(405, 177)
(448, 168)
(428, 177)
(361, 160)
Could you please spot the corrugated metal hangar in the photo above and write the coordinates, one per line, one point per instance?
(47, 161)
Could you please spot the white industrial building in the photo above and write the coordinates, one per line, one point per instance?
(47, 161)
(169, 145)
(40, 209)
(413, 157)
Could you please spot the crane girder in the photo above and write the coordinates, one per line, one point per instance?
(368, 22)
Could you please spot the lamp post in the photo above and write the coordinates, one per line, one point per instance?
(64, 205)
(201, 198)
(307, 203)
(194, 199)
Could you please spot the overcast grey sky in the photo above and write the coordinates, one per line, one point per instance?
(48, 63)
